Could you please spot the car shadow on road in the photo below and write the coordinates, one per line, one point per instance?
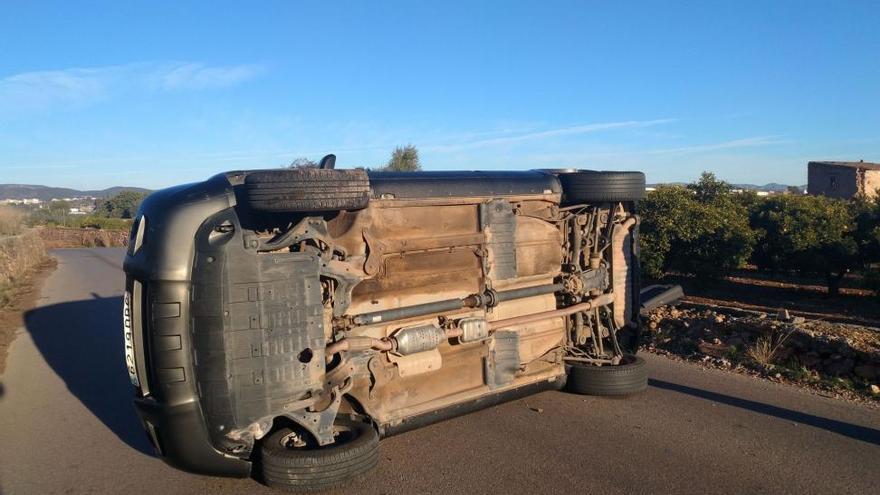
(857, 432)
(82, 342)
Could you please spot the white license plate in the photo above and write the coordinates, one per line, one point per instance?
(130, 362)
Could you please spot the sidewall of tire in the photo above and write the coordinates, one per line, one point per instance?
(319, 469)
(625, 379)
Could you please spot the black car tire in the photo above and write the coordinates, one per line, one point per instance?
(587, 186)
(319, 468)
(629, 377)
(308, 189)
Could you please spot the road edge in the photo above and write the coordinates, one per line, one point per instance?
(23, 296)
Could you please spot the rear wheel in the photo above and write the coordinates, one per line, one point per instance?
(291, 460)
(587, 186)
(307, 189)
(628, 377)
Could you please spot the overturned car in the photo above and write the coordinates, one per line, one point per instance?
(279, 322)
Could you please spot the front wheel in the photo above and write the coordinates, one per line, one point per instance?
(291, 461)
(628, 377)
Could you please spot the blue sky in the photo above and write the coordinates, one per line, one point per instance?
(94, 94)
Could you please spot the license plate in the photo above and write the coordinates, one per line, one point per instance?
(130, 362)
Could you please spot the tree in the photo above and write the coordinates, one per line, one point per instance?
(663, 211)
(404, 159)
(794, 190)
(708, 188)
(61, 208)
(807, 234)
(700, 229)
(303, 162)
(122, 205)
(866, 216)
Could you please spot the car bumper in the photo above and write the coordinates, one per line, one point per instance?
(179, 435)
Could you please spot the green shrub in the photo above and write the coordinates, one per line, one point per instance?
(871, 278)
(123, 205)
(404, 159)
(706, 230)
(866, 217)
(807, 234)
(96, 222)
(54, 214)
(699, 230)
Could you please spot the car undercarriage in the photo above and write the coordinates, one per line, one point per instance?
(313, 302)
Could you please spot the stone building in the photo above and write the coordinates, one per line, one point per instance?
(843, 179)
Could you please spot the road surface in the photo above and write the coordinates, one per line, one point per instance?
(67, 425)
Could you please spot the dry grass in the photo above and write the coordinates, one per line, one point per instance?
(10, 221)
(62, 237)
(18, 255)
(765, 350)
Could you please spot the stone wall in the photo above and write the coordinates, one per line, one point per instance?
(832, 181)
(872, 183)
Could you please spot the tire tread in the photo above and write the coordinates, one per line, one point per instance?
(282, 191)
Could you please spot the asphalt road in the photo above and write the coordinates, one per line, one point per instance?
(67, 425)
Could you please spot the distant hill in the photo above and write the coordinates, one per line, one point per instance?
(773, 186)
(46, 193)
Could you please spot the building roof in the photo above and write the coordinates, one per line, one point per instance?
(864, 165)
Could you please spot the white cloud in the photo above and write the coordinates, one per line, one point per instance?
(45, 88)
(749, 142)
(201, 76)
(544, 134)
(76, 87)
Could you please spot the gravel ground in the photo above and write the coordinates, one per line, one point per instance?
(833, 359)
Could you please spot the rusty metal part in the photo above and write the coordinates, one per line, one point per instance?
(346, 276)
(588, 360)
(454, 332)
(405, 341)
(378, 249)
(473, 330)
(426, 251)
(314, 228)
(573, 285)
(410, 311)
(488, 298)
(620, 269)
(320, 423)
(603, 300)
(417, 363)
(580, 337)
(576, 242)
(354, 344)
(593, 281)
(427, 337)
(315, 413)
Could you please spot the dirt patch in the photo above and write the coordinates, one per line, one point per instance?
(64, 237)
(833, 359)
(21, 297)
(800, 296)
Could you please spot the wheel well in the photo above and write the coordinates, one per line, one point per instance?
(349, 406)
